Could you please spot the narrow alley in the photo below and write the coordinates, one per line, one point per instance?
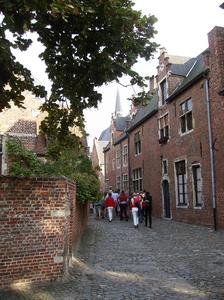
(114, 261)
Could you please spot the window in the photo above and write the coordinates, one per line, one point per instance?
(137, 140)
(125, 155)
(197, 191)
(164, 129)
(181, 183)
(118, 158)
(118, 183)
(137, 180)
(186, 120)
(107, 184)
(164, 167)
(113, 164)
(106, 164)
(125, 182)
(163, 87)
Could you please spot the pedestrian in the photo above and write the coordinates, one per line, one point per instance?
(123, 205)
(129, 201)
(115, 196)
(102, 203)
(147, 206)
(140, 211)
(134, 204)
(110, 205)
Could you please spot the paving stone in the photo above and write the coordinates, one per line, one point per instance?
(114, 261)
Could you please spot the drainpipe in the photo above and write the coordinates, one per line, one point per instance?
(121, 169)
(129, 172)
(211, 150)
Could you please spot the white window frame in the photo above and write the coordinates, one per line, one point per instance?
(196, 185)
(164, 126)
(125, 182)
(125, 155)
(164, 166)
(181, 183)
(118, 182)
(186, 116)
(118, 158)
(113, 164)
(137, 143)
(106, 167)
(137, 180)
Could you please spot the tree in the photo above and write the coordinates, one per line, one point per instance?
(87, 43)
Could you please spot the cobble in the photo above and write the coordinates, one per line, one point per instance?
(114, 261)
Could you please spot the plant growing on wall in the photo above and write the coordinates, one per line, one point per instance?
(77, 166)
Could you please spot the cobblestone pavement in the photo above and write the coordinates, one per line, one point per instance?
(114, 261)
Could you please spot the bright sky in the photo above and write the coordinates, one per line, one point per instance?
(182, 29)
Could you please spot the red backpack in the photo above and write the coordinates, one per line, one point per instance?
(136, 202)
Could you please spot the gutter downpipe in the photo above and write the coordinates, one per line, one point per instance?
(211, 150)
(129, 183)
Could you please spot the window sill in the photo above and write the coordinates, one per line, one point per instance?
(187, 132)
(182, 206)
(198, 207)
(137, 154)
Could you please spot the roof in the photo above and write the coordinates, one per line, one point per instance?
(121, 122)
(197, 70)
(105, 135)
(183, 69)
(145, 112)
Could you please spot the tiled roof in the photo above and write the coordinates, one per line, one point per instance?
(144, 112)
(120, 123)
(196, 70)
(182, 69)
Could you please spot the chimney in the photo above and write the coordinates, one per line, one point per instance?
(152, 83)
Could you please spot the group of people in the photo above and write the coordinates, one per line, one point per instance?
(137, 205)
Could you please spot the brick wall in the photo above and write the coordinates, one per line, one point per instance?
(216, 83)
(40, 222)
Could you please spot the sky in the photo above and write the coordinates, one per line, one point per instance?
(182, 29)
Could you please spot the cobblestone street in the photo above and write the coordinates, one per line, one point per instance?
(114, 261)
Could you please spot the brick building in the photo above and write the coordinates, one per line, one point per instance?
(173, 147)
(113, 132)
(23, 124)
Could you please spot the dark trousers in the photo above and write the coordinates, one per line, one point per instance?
(148, 214)
(123, 209)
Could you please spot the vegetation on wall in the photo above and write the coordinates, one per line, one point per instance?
(75, 165)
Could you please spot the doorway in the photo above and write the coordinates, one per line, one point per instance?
(166, 195)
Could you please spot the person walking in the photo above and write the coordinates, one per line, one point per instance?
(134, 206)
(110, 205)
(140, 210)
(114, 196)
(123, 205)
(147, 206)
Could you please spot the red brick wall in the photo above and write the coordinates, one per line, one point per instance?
(216, 83)
(40, 222)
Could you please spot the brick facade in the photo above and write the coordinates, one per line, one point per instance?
(199, 149)
(40, 223)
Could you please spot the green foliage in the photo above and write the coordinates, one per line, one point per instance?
(75, 165)
(23, 161)
(87, 44)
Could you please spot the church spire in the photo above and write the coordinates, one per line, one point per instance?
(118, 108)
